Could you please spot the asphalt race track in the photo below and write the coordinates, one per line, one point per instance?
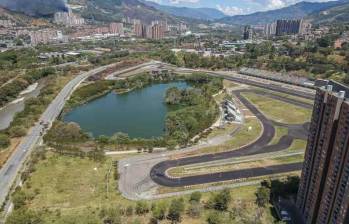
(158, 172)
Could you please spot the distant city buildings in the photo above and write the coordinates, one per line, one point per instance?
(248, 33)
(116, 28)
(68, 19)
(46, 36)
(6, 23)
(270, 30)
(323, 195)
(156, 30)
(287, 27)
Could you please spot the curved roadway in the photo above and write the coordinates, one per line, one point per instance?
(9, 171)
(158, 172)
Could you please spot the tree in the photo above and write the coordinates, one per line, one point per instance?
(173, 96)
(214, 218)
(142, 208)
(103, 140)
(194, 209)
(4, 141)
(120, 139)
(176, 210)
(111, 216)
(159, 211)
(129, 210)
(18, 131)
(220, 201)
(19, 198)
(65, 133)
(195, 197)
(262, 196)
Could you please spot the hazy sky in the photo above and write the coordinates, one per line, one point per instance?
(234, 7)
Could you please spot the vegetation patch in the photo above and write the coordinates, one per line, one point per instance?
(279, 111)
(279, 132)
(77, 193)
(34, 107)
(196, 108)
(247, 133)
(224, 167)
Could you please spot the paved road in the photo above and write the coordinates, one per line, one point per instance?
(9, 171)
(158, 172)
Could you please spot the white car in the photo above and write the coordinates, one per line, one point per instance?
(285, 216)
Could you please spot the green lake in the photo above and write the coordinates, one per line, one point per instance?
(140, 113)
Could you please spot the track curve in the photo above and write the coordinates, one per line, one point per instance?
(158, 172)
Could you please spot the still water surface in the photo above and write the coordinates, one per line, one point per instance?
(140, 113)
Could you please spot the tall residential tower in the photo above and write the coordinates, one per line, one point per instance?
(323, 195)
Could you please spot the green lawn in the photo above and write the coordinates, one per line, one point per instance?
(301, 99)
(243, 137)
(298, 145)
(279, 132)
(278, 110)
(200, 169)
(72, 190)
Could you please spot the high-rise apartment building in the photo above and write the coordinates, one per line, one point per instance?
(68, 18)
(158, 32)
(323, 195)
(116, 28)
(140, 30)
(288, 27)
(270, 29)
(248, 33)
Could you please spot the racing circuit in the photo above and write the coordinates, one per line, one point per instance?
(141, 175)
(158, 172)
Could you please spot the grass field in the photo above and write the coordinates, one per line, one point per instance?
(279, 132)
(297, 145)
(301, 99)
(73, 190)
(200, 169)
(242, 137)
(279, 111)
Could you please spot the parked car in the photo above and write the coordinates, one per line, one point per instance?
(285, 216)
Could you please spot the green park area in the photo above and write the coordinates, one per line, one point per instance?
(65, 189)
(246, 133)
(279, 111)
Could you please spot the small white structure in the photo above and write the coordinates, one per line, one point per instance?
(231, 112)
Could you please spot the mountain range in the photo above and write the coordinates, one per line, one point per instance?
(115, 10)
(337, 14)
(296, 11)
(193, 13)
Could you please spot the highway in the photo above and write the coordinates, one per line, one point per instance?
(11, 168)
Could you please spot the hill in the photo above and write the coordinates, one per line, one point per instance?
(35, 8)
(115, 10)
(92, 10)
(296, 11)
(337, 14)
(193, 13)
